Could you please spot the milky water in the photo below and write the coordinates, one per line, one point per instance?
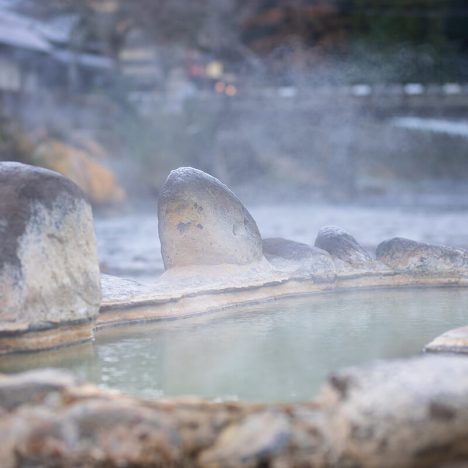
(277, 351)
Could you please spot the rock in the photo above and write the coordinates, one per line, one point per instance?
(420, 258)
(340, 244)
(399, 413)
(49, 274)
(407, 413)
(452, 341)
(349, 257)
(288, 249)
(95, 179)
(94, 432)
(290, 256)
(33, 386)
(201, 222)
(257, 439)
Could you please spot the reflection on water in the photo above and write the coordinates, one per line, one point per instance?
(281, 350)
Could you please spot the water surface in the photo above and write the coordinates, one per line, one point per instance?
(277, 351)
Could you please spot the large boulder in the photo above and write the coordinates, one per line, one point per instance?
(417, 257)
(408, 413)
(49, 273)
(201, 222)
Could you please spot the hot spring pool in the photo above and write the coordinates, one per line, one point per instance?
(277, 351)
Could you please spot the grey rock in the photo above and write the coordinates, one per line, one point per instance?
(288, 249)
(404, 413)
(49, 271)
(290, 256)
(417, 257)
(111, 432)
(257, 439)
(399, 413)
(342, 245)
(33, 386)
(452, 341)
(201, 222)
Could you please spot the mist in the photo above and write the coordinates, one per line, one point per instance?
(313, 113)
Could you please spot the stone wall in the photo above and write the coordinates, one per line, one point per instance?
(411, 413)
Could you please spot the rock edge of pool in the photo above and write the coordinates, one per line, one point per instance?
(412, 412)
(215, 258)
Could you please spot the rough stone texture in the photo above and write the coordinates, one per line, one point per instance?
(49, 271)
(33, 387)
(256, 439)
(342, 247)
(201, 222)
(290, 256)
(400, 413)
(410, 413)
(417, 257)
(452, 341)
(194, 279)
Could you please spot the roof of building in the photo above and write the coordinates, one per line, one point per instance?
(57, 29)
(85, 60)
(29, 33)
(16, 31)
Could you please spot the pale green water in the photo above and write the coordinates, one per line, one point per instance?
(278, 351)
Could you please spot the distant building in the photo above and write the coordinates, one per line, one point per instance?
(36, 56)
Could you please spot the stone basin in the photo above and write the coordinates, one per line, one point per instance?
(225, 262)
(275, 351)
(411, 412)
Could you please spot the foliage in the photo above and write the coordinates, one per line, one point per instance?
(279, 33)
(14, 143)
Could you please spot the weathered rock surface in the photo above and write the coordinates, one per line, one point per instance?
(257, 438)
(49, 272)
(201, 222)
(410, 413)
(345, 250)
(452, 341)
(290, 256)
(417, 257)
(33, 387)
(400, 413)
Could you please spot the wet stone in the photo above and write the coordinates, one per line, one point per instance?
(347, 254)
(342, 245)
(400, 413)
(33, 386)
(201, 222)
(49, 272)
(397, 413)
(452, 341)
(257, 439)
(417, 257)
(290, 256)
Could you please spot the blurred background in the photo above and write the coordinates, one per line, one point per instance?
(348, 112)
